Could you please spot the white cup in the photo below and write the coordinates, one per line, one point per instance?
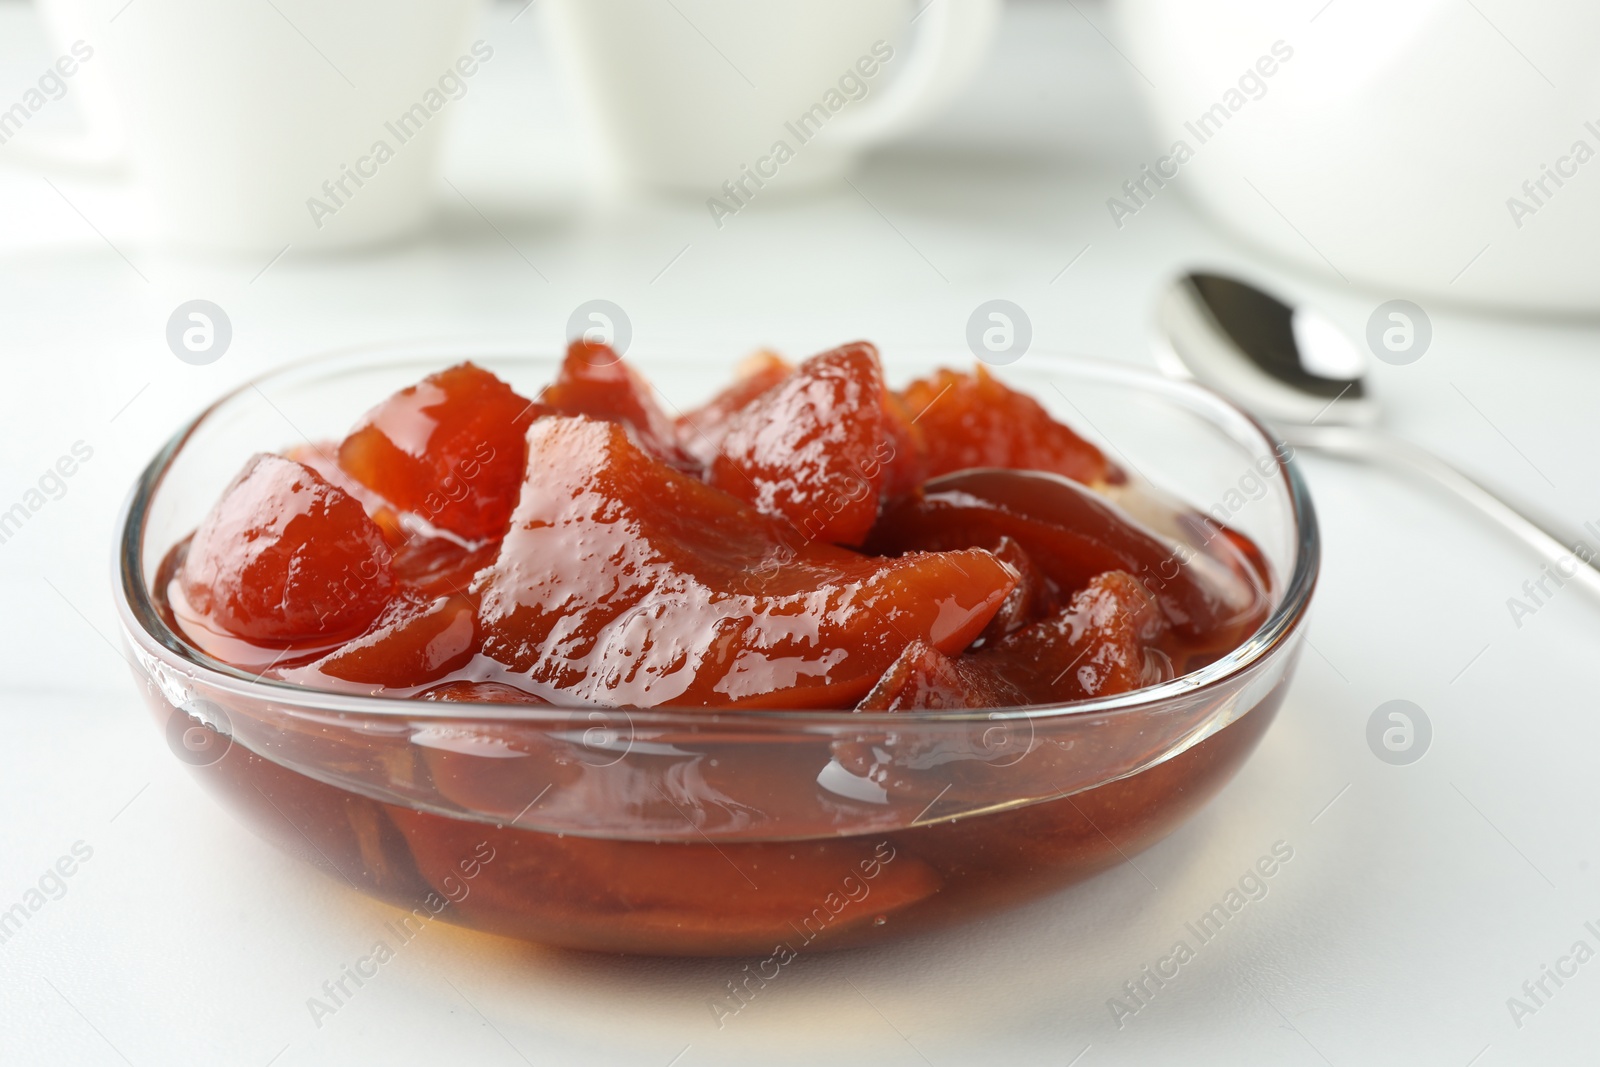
(301, 123)
(686, 95)
(1394, 145)
(69, 25)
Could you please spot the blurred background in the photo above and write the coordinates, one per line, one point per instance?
(193, 193)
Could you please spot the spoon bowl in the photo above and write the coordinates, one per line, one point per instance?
(1289, 365)
(1302, 375)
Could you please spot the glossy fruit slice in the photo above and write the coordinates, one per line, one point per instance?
(907, 466)
(927, 761)
(1100, 644)
(974, 420)
(448, 449)
(923, 678)
(680, 898)
(323, 457)
(1034, 598)
(813, 448)
(625, 582)
(481, 693)
(594, 381)
(415, 641)
(1073, 534)
(494, 769)
(285, 557)
(700, 431)
(438, 566)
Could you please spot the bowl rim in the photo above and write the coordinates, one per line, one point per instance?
(143, 626)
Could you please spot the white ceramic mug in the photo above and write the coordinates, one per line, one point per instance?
(687, 95)
(1407, 144)
(297, 122)
(69, 25)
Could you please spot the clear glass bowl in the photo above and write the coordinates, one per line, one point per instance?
(691, 832)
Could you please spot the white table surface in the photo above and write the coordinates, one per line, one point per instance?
(1415, 905)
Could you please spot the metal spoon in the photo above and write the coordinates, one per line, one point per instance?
(1301, 374)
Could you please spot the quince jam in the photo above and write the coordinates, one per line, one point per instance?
(808, 539)
(811, 538)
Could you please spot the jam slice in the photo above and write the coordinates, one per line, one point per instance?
(974, 420)
(907, 466)
(594, 381)
(927, 761)
(493, 768)
(438, 566)
(699, 898)
(285, 557)
(415, 641)
(448, 449)
(923, 678)
(700, 432)
(323, 458)
(481, 693)
(1103, 643)
(813, 448)
(625, 582)
(1035, 596)
(1073, 534)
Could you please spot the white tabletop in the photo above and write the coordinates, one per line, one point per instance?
(1419, 897)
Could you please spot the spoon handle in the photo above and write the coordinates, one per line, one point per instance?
(1569, 556)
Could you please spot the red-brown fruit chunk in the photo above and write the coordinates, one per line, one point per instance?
(415, 641)
(438, 566)
(493, 768)
(480, 693)
(907, 466)
(812, 449)
(448, 449)
(1073, 534)
(700, 431)
(285, 557)
(1034, 597)
(923, 678)
(625, 582)
(932, 760)
(1094, 647)
(1100, 645)
(694, 897)
(594, 381)
(974, 420)
(323, 457)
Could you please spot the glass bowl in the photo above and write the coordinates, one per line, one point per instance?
(692, 832)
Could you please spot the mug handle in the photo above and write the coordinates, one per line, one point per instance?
(946, 49)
